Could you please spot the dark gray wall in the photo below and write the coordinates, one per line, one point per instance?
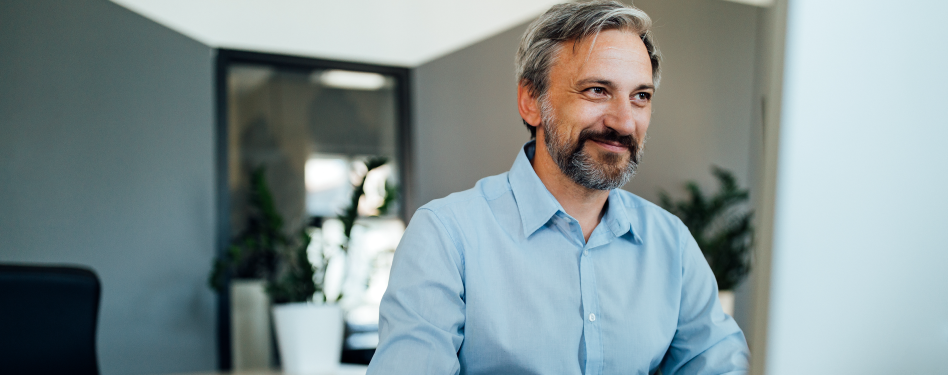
(466, 125)
(106, 160)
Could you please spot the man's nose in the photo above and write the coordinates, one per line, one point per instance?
(621, 117)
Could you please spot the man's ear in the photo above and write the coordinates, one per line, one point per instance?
(527, 105)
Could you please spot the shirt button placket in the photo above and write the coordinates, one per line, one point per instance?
(590, 300)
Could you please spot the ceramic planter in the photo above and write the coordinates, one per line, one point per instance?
(309, 337)
(727, 301)
(250, 325)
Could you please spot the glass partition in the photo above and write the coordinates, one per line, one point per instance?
(310, 125)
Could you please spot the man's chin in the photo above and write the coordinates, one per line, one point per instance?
(604, 156)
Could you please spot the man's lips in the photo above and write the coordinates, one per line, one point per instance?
(612, 146)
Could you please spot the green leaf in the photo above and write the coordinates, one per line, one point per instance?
(719, 224)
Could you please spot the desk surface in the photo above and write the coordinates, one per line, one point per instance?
(344, 369)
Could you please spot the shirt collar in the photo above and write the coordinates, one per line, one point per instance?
(537, 205)
(617, 217)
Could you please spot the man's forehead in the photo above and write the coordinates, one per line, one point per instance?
(607, 41)
(604, 50)
(592, 38)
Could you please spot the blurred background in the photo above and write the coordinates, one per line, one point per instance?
(129, 130)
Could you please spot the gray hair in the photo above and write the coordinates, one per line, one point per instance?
(575, 22)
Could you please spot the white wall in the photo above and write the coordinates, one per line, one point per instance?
(769, 83)
(106, 160)
(378, 32)
(859, 282)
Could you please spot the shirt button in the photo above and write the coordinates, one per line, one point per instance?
(592, 317)
(585, 252)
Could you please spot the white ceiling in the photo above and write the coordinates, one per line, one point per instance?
(389, 32)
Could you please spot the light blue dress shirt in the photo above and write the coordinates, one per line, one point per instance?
(498, 279)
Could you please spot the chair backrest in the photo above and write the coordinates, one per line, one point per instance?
(48, 320)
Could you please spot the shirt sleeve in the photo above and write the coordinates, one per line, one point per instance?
(421, 316)
(707, 341)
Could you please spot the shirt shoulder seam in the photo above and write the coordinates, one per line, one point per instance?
(446, 202)
(454, 240)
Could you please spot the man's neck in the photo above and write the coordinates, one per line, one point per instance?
(583, 204)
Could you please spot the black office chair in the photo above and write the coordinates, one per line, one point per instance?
(48, 320)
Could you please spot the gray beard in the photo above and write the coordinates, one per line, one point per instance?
(577, 164)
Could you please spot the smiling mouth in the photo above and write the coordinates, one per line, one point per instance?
(609, 141)
(612, 146)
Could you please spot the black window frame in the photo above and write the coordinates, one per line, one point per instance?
(224, 59)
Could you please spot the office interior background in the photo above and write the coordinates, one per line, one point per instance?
(831, 112)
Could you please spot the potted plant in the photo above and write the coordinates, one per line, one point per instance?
(350, 213)
(267, 267)
(250, 261)
(722, 228)
(309, 334)
(309, 328)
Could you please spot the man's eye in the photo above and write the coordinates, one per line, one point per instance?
(596, 90)
(642, 96)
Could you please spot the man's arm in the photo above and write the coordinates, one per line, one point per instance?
(707, 341)
(421, 317)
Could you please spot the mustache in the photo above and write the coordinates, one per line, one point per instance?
(609, 135)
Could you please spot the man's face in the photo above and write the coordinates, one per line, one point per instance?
(597, 109)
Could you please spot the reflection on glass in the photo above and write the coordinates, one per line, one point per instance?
(327, 184)
(293, 121)
(311, 130)
(344, 79)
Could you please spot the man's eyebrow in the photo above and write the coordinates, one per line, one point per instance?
(645, 86)
(599, 81)
(608, 83)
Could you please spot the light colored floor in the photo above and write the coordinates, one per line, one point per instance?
(344, 369)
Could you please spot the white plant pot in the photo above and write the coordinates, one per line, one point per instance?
(727, 301)
(250, 325)
(309, 337)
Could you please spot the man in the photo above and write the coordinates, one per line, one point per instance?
(549, 268)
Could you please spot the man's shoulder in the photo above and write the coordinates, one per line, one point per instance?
(484, 191)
